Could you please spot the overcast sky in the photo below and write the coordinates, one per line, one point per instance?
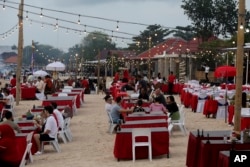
(164, 12)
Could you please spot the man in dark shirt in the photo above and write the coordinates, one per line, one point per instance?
(161, 97)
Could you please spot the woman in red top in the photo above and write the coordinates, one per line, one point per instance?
(13, 81)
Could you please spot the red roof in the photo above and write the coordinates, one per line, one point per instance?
(171, 46)
(12, 59)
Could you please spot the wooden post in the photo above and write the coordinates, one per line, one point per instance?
(20, 52)
(98, 72)
(239, 65)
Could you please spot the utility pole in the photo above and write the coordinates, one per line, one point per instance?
(98, 72)
(20, 52)
(239, 65)
(149, 57)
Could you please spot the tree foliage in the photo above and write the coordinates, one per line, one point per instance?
(212, 17)
(154, 34)
(94, 42)
(187, 33)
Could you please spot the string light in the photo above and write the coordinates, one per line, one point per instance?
(41, 15)
(27, 17)
(117, 26)
(241, 26)
(4, 5)
(79, 22)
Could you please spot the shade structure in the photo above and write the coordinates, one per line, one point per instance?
(40, 73)
(225, 71)
(55, 66)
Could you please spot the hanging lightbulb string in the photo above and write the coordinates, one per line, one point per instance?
(67, 21)
(10, 30)
(73, 29)
(88, 16)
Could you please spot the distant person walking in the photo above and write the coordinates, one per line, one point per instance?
(206, 72)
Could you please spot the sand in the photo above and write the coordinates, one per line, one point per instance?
(93, 146)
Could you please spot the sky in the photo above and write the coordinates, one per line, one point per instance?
(167, 13)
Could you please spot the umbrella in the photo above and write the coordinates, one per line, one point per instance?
(40, 73)
(225, 71)
(55, 66)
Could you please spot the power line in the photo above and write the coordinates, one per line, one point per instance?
(88, 16)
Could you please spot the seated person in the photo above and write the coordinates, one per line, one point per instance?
(117, 110)
(138, 107)
(143, 94)
(7, 98)
(128, 86)
(10, 121)
(108, 105)
(50, 129)
(58, 115)
(157, 106)
(173, 108)
(39, 85)
(157, 93)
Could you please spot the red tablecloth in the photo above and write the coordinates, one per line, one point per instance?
(24, 122)
(26, 92)
(194, 144)
(145, 123)
(223, 160)
(229, 86)
(132, 104)
(22, 143)
(176, 88)
(245, 122)
(60, 101)
(132, 117)
(123, 144)
(230, 114)
(77, 94)
(209, 152)
(210, 107)
(187, 99)
(194, 102)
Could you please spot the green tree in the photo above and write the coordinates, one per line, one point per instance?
(154, 34)
(94, 42)
(187, 33)
(212, 17)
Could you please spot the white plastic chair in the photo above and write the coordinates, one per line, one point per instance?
(61, 134)
(62, 94)
(67, 131)
(23, 161)
(181, 122)
(137, 132)
(222, 108)
(201, 102)
(112, 125)
(68, 87)
(54, 143)
(27, 151)
(66, 90)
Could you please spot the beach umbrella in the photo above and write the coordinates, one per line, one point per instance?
(225, 71)
(40, 73)
(55, 66)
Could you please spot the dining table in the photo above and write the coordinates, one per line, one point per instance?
(223, 160)
(26, 92)
(145, 116)
(194, 140)
(145, 123)
(210, 149)
(77, 94)
(22, 143)
(61, 101)
(123, 144)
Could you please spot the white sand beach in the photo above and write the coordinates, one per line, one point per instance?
(93, 146)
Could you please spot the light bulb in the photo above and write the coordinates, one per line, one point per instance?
(241, 26)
